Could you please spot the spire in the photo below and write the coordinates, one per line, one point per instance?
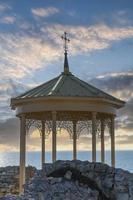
(66, 65)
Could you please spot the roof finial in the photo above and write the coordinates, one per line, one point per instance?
(66, 40)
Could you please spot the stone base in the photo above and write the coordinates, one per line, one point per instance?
(80, 180)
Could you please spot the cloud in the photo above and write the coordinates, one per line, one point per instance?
(87, 39)
(44, 12)
(7, 20)
(111, 34)
(24, 54)
(9, 88)
(121, 17)
(126, 123)
(9, 134)
(125, 140)
(4, 7)
(119, 85)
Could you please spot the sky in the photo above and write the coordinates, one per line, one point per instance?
(31, 52)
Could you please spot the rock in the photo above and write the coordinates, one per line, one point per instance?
(9, 178)
(55, 180)
(70, 180)
(68, 175)
(122, 196)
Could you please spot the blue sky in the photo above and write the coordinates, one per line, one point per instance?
(22, 18)
(100, 51)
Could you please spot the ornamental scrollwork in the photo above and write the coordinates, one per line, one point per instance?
(48, 128)
(98, 128)
(67, 125)
(83, 125)
(33, 123)
(107, 124)
(84, 128)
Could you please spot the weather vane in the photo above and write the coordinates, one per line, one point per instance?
(66, 40)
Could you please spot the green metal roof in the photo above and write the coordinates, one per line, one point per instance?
(66, 85)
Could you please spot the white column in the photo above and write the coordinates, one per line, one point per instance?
(74, 141)
(94, 136)
(112, 141)
(22, 152)
(54, 136)
(43, 142)
(102, 142)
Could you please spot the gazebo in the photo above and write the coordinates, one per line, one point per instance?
(66, 102)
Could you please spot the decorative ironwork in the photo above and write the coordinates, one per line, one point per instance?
(82, 126)
(65, 121)
(98, 128)
(48, 128)
(107, 124)
(67, 125)
(33, 123)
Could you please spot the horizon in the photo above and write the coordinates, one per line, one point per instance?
(34, 158)
(66, 151)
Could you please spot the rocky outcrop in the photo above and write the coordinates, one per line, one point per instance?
(111, 183)
(80, 180)
(55, 188)
(9, 178)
